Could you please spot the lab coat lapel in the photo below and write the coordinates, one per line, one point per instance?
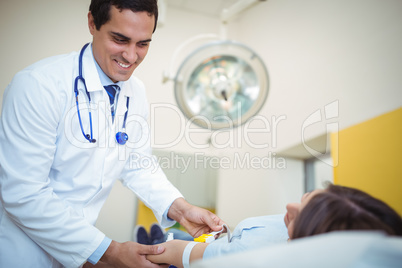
(125, 93)
(90, 72)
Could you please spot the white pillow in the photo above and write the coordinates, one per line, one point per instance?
(362, 249)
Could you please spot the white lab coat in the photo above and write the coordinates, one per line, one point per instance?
(53, 182)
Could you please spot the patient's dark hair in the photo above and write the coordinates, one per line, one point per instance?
(100, 9)
(343, 208)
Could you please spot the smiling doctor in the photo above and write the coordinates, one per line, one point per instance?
(69, 124)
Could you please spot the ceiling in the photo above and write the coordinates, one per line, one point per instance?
(211, 8)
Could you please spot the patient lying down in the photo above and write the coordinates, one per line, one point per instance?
(321, 211)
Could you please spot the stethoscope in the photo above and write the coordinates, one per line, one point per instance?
(121, 137)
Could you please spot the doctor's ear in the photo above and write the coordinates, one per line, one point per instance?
(91, 23)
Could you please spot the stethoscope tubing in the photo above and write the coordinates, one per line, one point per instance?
(121, 137)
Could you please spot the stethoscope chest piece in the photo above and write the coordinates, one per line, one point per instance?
(121, 138)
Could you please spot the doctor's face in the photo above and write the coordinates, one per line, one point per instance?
(121, 44)
(293, 210)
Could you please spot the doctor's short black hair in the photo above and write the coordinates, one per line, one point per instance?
(100, 9)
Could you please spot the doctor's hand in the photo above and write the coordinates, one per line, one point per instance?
(197, 221)
(130, 254)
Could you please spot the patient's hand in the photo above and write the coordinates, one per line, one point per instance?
(174, 251)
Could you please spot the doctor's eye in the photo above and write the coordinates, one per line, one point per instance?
(120, 41)
(144, 44)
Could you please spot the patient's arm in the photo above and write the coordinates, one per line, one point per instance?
(174, 251)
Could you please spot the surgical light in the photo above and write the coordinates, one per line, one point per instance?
(222, 83)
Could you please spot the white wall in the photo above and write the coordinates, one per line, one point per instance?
(32, 30)
(319, 51)
(245, 191)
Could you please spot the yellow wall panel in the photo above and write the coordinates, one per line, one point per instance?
(145, 216)
(369, 157)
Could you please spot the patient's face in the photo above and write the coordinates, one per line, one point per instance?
(293, 210)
